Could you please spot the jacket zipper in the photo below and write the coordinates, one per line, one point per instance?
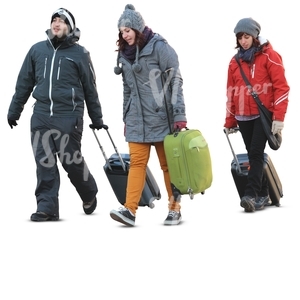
(50, 83)
(252, 71)
(45, 67)
(73, 99)
(58, 71)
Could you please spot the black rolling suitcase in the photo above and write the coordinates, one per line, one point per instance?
(239, 171)
(116, 169)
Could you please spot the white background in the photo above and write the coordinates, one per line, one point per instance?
(218, 251)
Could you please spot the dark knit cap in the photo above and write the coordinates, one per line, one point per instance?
(131, 18)
(249, 26)
(65, 15)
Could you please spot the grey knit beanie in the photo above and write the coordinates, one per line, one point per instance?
(131, 18)
(249, 26)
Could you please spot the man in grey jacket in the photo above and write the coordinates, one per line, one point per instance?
(59, 74)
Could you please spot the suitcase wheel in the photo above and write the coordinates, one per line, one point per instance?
(151, 204)
(277, 204)
(191, 194)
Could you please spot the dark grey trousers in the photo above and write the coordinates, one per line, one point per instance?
(55, 138)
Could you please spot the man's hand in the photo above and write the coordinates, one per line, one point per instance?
(12, 123)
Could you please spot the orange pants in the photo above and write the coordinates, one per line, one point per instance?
(139, 157)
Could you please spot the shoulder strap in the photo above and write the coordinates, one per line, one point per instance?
(249, 86)
(243, 73)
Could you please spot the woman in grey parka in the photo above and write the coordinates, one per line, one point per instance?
(143, 56)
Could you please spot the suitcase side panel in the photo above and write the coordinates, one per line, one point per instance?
(275, 187)
(151, 190)
(118, 181)
(117, 177)
(240, 179)
(189, 161)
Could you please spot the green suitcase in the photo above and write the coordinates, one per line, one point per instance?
(189, 162)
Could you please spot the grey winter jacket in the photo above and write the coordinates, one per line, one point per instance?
(144, 111)
(59, 79)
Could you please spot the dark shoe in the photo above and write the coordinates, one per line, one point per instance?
(124, 216)
(261, 202)
(40, 216)
(248, 203)
(89, 207)
(173, 218)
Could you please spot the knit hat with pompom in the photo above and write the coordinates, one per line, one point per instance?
(131, 18)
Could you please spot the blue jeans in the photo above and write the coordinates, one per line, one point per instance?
(255, 143)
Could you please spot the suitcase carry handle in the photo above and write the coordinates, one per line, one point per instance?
(103, 152)
(233, 153)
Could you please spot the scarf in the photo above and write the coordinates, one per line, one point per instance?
(130, 50)
(248, 55)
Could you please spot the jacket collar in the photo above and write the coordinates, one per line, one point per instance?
(70, 39)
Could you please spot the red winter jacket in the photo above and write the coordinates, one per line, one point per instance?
(266, 75)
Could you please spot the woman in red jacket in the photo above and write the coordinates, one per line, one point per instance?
(265, 71)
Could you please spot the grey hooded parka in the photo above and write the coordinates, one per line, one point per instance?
(144, 111)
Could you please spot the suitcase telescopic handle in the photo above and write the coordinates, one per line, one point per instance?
(233, 153)
(103, 152)
(165, 84)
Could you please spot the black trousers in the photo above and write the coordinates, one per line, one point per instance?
(55, 138)
(255, 143)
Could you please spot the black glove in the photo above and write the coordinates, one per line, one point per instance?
(12, 123)
(98, 126)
